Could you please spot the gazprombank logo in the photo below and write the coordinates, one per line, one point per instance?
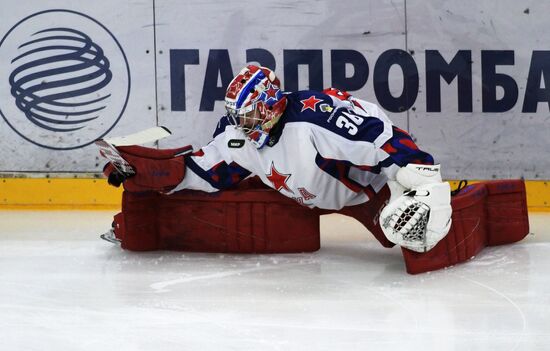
(64, 79)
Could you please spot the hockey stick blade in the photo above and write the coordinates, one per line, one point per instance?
(142, 137)
(113, 156)
(107, 146)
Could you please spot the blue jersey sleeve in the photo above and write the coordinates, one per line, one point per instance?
(402, 150)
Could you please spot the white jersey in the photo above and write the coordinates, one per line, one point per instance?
(324, 152)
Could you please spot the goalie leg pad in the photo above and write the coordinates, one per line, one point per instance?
(484, 214)
(247, 220)
(136, 226)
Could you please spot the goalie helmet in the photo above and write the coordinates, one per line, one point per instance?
(255, 103)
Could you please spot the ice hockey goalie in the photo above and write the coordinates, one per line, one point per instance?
(278, 160)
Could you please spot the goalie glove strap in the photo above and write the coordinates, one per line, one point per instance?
(414, 175)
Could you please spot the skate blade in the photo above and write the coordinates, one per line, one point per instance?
(110, 237)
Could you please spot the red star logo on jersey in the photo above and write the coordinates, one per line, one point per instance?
(278, 179)
(310, 103)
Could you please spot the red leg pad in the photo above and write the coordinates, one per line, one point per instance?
(232, 221)
(136, 225)
(507, 212)
(259, 220)
(484, 214)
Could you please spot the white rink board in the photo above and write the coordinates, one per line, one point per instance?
(195, 39)
(40, 149)
(481, 145)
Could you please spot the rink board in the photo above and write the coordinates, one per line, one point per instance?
(461, 78)
(72, 193)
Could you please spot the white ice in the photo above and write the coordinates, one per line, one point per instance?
(62, 288)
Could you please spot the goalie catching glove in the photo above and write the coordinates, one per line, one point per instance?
(418, 214)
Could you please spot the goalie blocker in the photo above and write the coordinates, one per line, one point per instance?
(153, 169)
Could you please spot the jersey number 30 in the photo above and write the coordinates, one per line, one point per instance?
(350, 121)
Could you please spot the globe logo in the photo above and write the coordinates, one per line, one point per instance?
(82, 71)
(64, 79)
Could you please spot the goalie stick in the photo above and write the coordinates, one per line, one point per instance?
(107, 146)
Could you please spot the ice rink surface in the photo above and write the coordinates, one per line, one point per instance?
(62, 288)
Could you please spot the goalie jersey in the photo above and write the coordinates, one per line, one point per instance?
(326, 151)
